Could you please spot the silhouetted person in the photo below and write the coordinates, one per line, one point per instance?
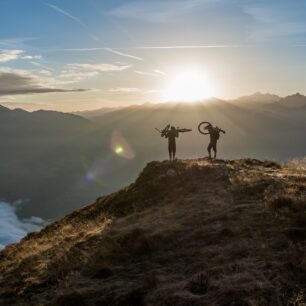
(171, 135)
(214, 134)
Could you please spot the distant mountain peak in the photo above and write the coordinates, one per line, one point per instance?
(295, 100)
(259, 97)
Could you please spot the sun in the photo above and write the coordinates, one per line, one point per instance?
(187, 85)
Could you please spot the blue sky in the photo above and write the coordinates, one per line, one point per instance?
(77, 54)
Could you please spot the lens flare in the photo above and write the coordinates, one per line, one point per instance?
(95, 170)
(100, 167)
(119, 150)
(90, 176)
(120, 146)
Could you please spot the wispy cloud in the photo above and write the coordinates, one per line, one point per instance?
(154, 73)
(145, 73)
(41, 66)
(111, 50)
(65, 13)
(160, 72)
(124, 54)
(133, 90)
(76, 72)
(9, 55)
(20, 82)
(126, 90)
(32, 57)
(45, 72)
(71, 75)
(100, 67)
(72, 17)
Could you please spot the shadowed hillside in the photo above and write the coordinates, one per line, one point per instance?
(189, 233)
(45, 157)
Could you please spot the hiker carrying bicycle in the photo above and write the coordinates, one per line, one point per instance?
(172, 133)
(214, 135)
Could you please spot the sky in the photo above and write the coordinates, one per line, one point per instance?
(72, 55)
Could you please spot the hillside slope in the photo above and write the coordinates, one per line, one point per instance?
(189, 233)
(42, 155)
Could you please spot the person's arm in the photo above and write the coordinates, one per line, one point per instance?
(222, 131)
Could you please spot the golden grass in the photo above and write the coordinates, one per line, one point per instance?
(228, 233)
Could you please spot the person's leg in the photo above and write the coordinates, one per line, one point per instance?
(209, 149)
(174, 150)
(215, 149)
(170, 151)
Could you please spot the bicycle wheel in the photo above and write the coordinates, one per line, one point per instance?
(201, 127)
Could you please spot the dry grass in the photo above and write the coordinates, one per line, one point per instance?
(228, 233)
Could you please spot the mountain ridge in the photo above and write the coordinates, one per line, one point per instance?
(257, 99)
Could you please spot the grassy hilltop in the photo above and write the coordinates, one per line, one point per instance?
(188, 233)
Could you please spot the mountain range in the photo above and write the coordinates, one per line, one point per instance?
(53, 162)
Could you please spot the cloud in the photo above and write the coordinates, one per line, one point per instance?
(145, 73)
(155, 73)
(9, 55)
(133, 90)
(13, 229)
(72, 75)
(100, 67)
(31, 57)
(14, 54)
(74, 18)
(41, 66)
(45, 72)
(20, 82)
(114, 51)
(160, 72)
(65, 13)
(126, 90)
(124, 54)
(76, 72)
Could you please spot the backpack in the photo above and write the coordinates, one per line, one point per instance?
(216, 133)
